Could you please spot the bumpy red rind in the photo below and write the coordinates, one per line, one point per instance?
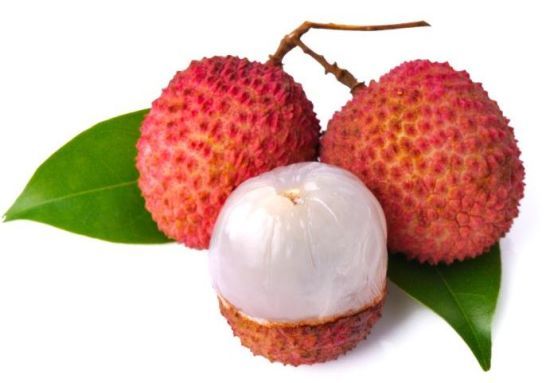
(303, 342)
(438, 154)
(218, 123)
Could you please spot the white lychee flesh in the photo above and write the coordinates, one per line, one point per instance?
(300, 243)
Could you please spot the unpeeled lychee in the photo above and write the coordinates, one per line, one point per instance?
(219, 122)
(439, 155)
(298, 259)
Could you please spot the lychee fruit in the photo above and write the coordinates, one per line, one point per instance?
(217, 123)
(438, 154)
(298, 259)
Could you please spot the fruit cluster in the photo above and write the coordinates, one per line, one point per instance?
(298, 254)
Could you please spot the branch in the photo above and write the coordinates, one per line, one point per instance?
(289, 42)
(293, 40)
(342, 75)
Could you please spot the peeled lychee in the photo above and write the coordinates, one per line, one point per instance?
(438, 154)
(219, 122)
(298, 259)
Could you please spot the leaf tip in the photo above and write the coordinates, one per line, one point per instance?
(12, 213)
(6, 217)
(484, 358)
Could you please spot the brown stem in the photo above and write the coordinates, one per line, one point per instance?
(293, 40)
(342, 75)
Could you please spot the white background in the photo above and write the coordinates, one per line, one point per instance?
(73, 309)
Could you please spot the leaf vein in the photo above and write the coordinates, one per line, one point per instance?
(73, 195)
(460, 308)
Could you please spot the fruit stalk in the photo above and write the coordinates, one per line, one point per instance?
(342, 75)
(293, 40)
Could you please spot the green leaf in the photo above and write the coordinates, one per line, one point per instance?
(464, 294)
(89, 186)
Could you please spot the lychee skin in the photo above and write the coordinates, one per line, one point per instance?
(219, 122)
(303, 343)
(438, 154)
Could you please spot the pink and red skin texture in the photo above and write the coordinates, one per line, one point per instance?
(430, 144)
(302, 342)
(438, 154)
(218, 123)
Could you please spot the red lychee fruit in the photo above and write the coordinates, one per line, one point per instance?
(219, 122)
(438, 154)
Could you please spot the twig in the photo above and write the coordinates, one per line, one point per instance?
(293, 40)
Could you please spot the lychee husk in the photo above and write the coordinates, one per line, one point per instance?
(304, 342)
(438, 154)
(218, 123)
